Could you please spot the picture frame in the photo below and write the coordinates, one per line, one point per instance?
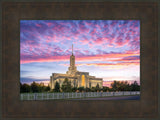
(13, 12)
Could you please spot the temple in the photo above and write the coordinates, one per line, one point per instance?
(77, 78)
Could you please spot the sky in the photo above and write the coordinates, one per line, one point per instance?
(108, 49)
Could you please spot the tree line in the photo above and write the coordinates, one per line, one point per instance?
(115, 86)
(67, 87)
(33, 88)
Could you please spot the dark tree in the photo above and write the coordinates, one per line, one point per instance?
(34, 87)
(21, 87)
(97, 87)
(106, 89)
(114, 86)
(66, 86)
(135, 86)
(41, 87)
(25, 88)
(74, 89)
(81, 89)
(87, 89)
(93, 89)
(125, 86)
(47, 88)
(57, 87)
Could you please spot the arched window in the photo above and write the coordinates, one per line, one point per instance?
(83, 80)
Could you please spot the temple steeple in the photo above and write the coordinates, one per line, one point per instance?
(72, 59)
(72, 68)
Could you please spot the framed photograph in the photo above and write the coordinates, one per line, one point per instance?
(108, 49)
(79, 60)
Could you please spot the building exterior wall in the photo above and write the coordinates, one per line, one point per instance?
(76, 81)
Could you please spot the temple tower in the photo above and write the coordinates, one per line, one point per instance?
(72, 59)
(72, 68)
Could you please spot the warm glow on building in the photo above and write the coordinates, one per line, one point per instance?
(83, 80)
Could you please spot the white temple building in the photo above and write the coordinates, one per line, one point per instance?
(77, 78)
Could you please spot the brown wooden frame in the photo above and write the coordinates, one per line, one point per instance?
(146, 12)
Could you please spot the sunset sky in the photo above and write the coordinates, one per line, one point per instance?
(109, 49)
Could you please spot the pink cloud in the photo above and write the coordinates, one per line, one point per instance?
(38, 25)
(93, 32)
(110, 45)
(98, 41)
(83, 29)
(84, 42)
(49, 24)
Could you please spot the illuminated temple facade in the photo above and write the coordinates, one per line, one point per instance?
(77, 78)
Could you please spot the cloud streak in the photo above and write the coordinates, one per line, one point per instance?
(82, 57)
